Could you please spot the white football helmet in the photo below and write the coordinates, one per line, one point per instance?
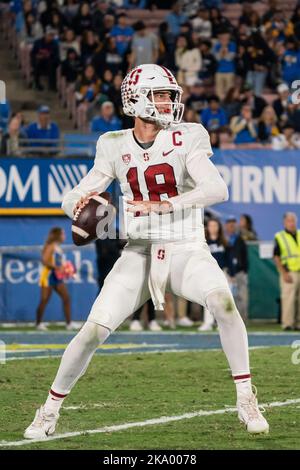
(138, 99)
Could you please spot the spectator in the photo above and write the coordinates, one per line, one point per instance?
(243, 127)
(107, 120)
(238, 266)
(32, 30)
(209, 63)
(10, 143)
(247, 231)
(108, 58)
(46, 15)
(122, 34)
(197, 101)
(45, 59)
(256, 103)
(213, 118)
(247, 10)
(89, 46)
(108, 250)
(88, 85)
(273, 7)
(279, 27)
(217, 244)
(115, 94)
(167, 42)
(71, 66)
(267, 125)
(280, 105)
(144, 46)
(69, 42)
(219, 22)
(225, 53)
(188, 61)
(175, 19)
(293, 113)
(57, 22)
(83, 20)
(215, 139)
(103, 9)
(69, 10)
(288, 139)
(190, 115)
(241, 62)
(287, 259)
(108, 24)
(107, 80)
(43, 129)
(259, 58)
(290, 62)
(232, 103)
(202, 24)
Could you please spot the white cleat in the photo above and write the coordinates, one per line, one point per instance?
(42, 426)
(206, 327)
(250, 415)
(185, 321)
(136, 325)
(73, 326)
(169, 324)
(154, 326)
(41, 327)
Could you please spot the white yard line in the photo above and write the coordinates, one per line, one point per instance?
(139, 424)
(51, 356)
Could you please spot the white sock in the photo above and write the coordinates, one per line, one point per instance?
(233, 336)
(74, 363)
(54, 402)
(243, 387)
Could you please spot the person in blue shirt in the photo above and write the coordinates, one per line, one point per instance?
(43, 129)
(122, 33)
(225, 53)
(107, 120)
(213, 117)
(290, 62)
(175, 19)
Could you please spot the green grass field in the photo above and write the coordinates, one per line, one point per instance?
(120, 389)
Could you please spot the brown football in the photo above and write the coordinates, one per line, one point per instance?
(93, 220)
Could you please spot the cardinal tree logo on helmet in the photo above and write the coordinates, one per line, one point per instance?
(137, 92)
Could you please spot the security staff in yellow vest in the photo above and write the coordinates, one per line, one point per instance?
(287, 259)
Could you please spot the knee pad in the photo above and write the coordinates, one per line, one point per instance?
(93, 334)
(221, 305)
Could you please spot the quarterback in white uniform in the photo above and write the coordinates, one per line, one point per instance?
(166, 178)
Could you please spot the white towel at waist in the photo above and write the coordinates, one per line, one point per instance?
(159, 271)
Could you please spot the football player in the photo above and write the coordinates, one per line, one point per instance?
(167, 177)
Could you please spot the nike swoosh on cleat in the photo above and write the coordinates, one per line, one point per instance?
(167, 153)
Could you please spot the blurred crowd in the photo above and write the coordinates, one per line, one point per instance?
(237, 79)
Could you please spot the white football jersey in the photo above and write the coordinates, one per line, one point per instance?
(156, 174)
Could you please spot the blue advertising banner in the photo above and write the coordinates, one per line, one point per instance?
(20, 293)
(262, 183)
(36, 186)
